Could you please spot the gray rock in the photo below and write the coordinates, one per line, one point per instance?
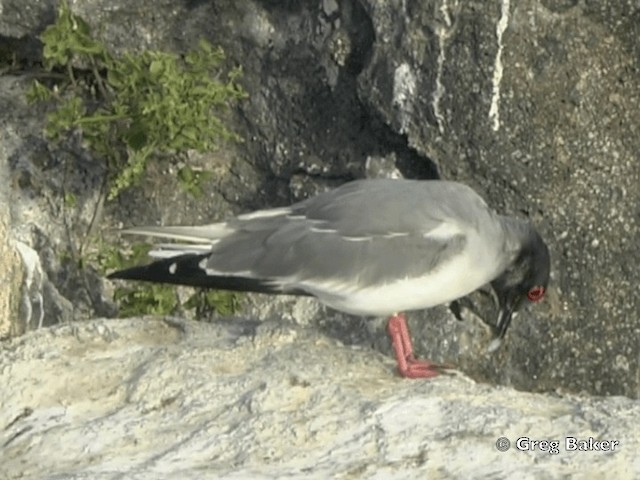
(536, 107)
(11, 276)
(154, 399)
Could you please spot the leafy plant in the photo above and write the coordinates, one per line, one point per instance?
(191, 180)
(109, 257)
(219, 301)
(135, 107)
(70, 199)
(144, 298)
(128, 110)
(150, 299)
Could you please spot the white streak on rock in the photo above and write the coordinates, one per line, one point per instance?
(443, 33)
(404, 90)
(494, 110)
(33, 279)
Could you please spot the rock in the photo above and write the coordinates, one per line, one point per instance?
(34, 213)
(152, 399)
(10, 278)
(534, 104)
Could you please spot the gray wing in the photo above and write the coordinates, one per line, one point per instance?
(373, 231)
(368, 231)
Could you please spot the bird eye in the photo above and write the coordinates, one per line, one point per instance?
(536, 294)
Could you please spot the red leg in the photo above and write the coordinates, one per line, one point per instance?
(408, 365)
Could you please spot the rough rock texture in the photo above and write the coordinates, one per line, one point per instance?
(152, 399)
(10, 279)
(13, 302)
(31, 180)
(534, 104)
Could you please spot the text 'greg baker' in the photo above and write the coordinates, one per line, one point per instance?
(571, 444)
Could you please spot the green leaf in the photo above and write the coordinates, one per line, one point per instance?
(64, 118)
(37, 92)
(70, 200)
(156, 68)
(191, 181)
(136, 137)
(131, 172)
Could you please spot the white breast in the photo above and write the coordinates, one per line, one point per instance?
(474, 267)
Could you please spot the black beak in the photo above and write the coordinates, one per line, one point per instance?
(507, 308)
(504, 320)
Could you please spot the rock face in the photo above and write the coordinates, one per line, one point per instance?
(14, 300)
(153, 399)
(534, 104)
(10, 278)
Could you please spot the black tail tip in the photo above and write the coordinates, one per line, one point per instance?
(181, 270)
(121, 274)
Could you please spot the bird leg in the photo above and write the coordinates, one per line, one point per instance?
(408, 365)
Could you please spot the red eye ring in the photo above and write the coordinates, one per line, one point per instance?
(536, 293)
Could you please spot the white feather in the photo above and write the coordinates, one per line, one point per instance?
(199, 234)
(169, 250)
(272, 212)
(444, 231)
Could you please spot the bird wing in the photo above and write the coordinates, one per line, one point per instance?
(364, 233)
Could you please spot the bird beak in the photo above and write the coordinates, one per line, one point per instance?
(504, 320)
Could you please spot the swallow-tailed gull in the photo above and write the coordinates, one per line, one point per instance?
(370, 247)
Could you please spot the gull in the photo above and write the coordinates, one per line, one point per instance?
(377, 247)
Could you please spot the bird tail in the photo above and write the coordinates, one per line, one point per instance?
(187, 269)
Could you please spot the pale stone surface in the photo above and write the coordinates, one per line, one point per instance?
(10, 266)
(10, 280)
(153, 399)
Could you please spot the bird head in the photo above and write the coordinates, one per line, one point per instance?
(524, 281)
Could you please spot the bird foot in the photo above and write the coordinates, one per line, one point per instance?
(408, 365)
(414, 368)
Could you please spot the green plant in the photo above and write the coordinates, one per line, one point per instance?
(219, 301)
(150, 299)
(135, 107)
(128, 110)
(191, 180)
(144, 298)
(108, 257)
(134, 299)
(70, 199)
